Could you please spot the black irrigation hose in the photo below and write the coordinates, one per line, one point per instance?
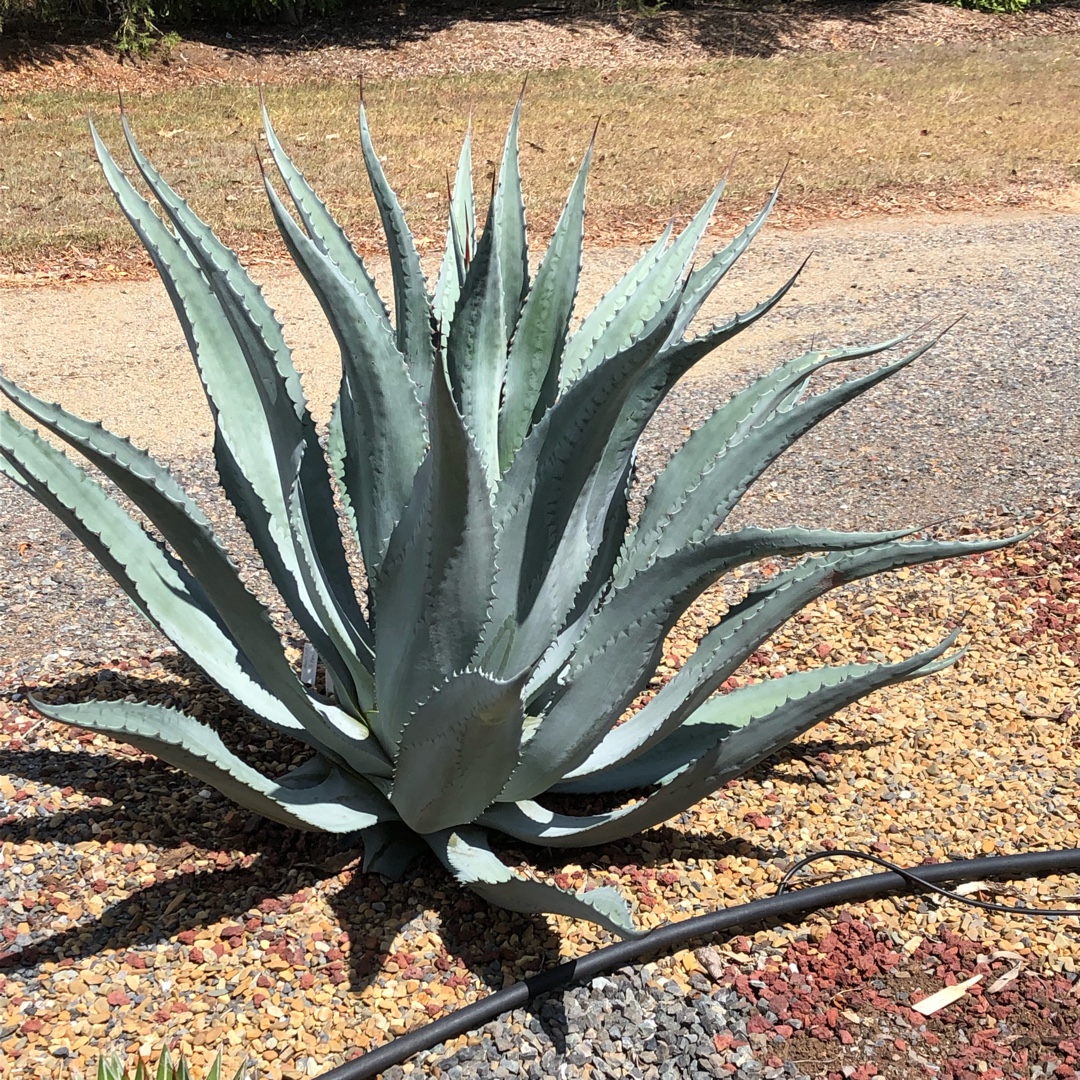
(677, 934)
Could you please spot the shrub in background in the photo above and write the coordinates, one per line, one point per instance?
(140, 25)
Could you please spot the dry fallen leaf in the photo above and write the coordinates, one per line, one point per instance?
(1005, 978)
(1008, 976)
(945, 996)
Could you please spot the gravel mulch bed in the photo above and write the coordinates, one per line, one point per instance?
(137, 908)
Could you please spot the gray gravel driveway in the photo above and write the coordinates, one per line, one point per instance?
(987, 420)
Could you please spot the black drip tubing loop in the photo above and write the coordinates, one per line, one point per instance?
(674, 936)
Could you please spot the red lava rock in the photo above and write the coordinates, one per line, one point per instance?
(196, 955)
(264, 981)
(307, 980)
(846, 1037)
(31, 1026)
(722, 1042)
(231, 932)
(186, 937)
(134, 960)
(118, 997)
(433, 1009)
(785, 1031)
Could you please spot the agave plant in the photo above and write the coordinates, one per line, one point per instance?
(112, 1068)
(483, 450)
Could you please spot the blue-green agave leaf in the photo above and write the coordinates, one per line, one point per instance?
(326, 233)
(508, 211)
(593, 325)
(711, 471)
(377, 433)
(457, 751)
(157, 583)
(678, 732)
(434, 589)
(544, 543)
(619, 649)
(705, 279)
(649, 389)
(258, 334)
(412, 304)
(156, 493)
(730, 752)
(253, 447)
(535, 361)
(466, 854)
(341, 803)
(476, 348)
(592, 343)
(357, 663)
(460, 241)
(748, 624)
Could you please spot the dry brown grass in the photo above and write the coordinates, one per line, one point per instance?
(931, 125)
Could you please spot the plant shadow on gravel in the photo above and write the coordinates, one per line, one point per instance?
(276, 864)
(726, 28)
(250, 863)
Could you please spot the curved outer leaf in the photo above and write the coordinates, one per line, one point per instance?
(730, 752)
(258, 334)
(466, 854)
(377, 432)
(434, 589)
(460, 241)
(711, 471)
(726, 646)
(508, 209)
(157, 584)
(543, 501)
(457, 751)
(608, 509)
(678, 734)
(534, 364)
(592, 326)
(620, 324)
(327, 234)
(412, 304)
(155, 491)
(476, 347)
(257, 406)
(705, 279)
(341, 803)
(619, 649)
(649, 389)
